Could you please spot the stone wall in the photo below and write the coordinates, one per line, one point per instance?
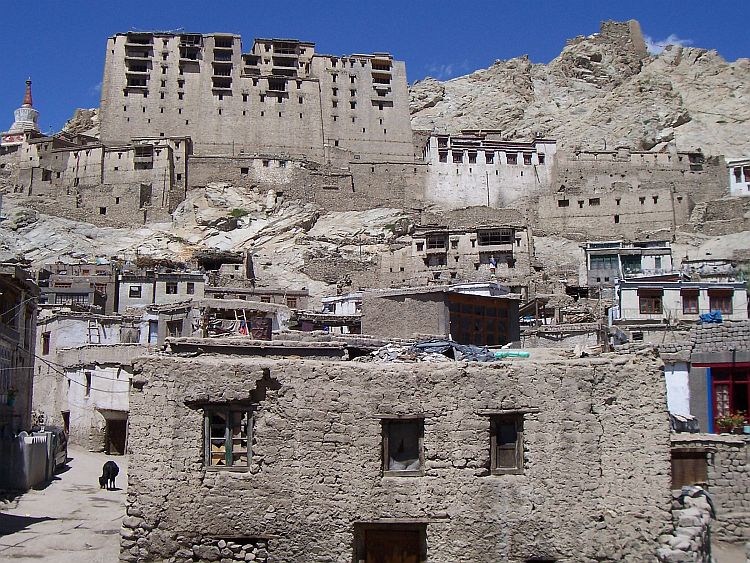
(358, 186)
(691, 538)
(594, 484)
(728, 481)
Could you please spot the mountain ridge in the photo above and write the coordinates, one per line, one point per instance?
(603, 89)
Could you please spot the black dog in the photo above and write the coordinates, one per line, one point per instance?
(109, 472)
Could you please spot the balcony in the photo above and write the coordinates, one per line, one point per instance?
(283, 72)
(138, 56)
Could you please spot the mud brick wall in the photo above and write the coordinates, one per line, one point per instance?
(595, 482)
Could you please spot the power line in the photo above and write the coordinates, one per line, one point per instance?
(90, 388)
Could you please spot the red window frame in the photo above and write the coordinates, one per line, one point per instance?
(730, 390)
(650, 304)
(690, 303)
(721, 302)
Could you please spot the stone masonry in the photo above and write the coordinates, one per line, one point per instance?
(593, 483)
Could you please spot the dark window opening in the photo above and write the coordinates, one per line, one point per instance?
(506, 444)
(403, 446)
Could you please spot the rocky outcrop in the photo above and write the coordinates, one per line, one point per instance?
(603, 88)
(83, 122)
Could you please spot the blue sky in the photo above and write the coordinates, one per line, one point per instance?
(61, 44)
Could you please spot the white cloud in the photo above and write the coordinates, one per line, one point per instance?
(96, 89)
(655, 47)
(446, 71)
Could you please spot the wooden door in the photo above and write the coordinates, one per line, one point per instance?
(392, 546)
(261, 328)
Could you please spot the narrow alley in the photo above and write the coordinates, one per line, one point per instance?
(71, 519)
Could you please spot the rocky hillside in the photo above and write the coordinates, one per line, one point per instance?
(604, 87)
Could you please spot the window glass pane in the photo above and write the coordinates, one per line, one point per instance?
(239, 438)
(218, 439)
(506, 438)
(403, 445)
(506, 433)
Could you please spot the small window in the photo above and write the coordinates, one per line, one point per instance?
(489, 157)
(642, 200)
(266, 164)
(353, 105)
(102, 211)
(265, 298)
(594, 201)
(540, 157)
(650, 304)
(291, 302)
(46, 339)
(563, 203)
(655, 198)
(617, 200)
(506, 444)
(134, 291)
(171, 288)
(580, 203)
(527, 159)
(403, 446)
(617, 219)
(420, 246)
(512, 158)
(87, 390)
(244, 170)
(721, 301)
(227, 437)
(174, 328)
(689, 302)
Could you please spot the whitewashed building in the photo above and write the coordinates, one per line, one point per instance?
(739, 176)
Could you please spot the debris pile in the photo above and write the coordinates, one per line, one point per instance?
(434, 351)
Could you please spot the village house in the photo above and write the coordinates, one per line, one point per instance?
(607, 261)
(645, 301)
(23, 465)
(282, 459)
(141, 287)
(85, 284)
(486, 315)
(739, 176)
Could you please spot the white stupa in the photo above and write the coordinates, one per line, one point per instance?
(26, 121)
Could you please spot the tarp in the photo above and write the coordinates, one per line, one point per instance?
(712, 317)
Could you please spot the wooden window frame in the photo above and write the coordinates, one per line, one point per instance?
(517, 420)
(386, 423)
(227, 411)
(690, 302)
(734, 381)
(722, 302)
(683, 468)
(650, 304)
